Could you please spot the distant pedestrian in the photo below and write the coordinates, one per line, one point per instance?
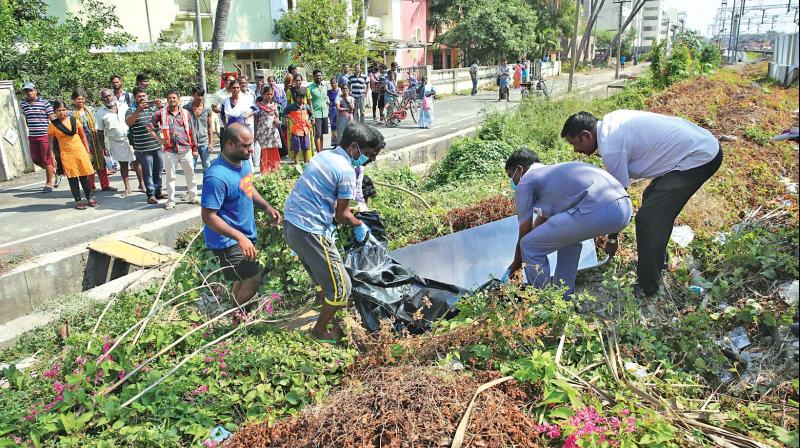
(319, 104)
(145, 146)
(120, 95)
(503, 75)
(473, 74)
(113, 134)
(86, 118)
(344, 110)
(390, 92)
(74, 154)
(221, 95)
(297, 83)
(517, 75)
(358, 90)
(344, 76)
(249, 99)
(228, 213)
(299, 122)
(525, 75)
(333, 93)
(268, 122)
(376, 91)
(171, 126)
(202, 128)
(427, 94)
(38, 113)
(622, 60)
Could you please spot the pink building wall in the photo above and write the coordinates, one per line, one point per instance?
(414, 15)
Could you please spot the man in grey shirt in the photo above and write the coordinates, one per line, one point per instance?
(678, 155)
(201, 125)
(558, 207)
(473, 74)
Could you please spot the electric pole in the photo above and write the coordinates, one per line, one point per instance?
(738, 28)
(730, 37)
(619, 38)
(574, 61)
(201, 52)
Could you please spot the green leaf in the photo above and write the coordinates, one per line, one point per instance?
(293, 398)
(561, 412)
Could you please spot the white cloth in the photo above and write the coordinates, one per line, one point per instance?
(115, 132)
(645, 145)
(219, 97)
(186, 162)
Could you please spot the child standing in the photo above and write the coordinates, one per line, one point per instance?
(298, 122)
(267, 135)
(333, 93)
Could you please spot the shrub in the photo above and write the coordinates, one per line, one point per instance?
(470, 158)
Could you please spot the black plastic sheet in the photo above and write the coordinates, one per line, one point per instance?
(385, 289)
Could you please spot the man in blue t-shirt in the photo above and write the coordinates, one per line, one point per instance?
(322, 195)
(228, 213)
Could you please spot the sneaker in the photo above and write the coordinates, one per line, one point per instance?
(170, 205)
(194, 200)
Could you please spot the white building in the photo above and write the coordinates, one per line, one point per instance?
(608, 18)
(653, 17)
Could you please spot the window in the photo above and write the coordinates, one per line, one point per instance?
(648, 28)
(650, 17)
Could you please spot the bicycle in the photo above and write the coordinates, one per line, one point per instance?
(536, 83)
(396, 109)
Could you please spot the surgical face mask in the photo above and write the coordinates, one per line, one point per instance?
(360, 161)
(511, 181)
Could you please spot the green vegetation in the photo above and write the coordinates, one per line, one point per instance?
(689, 57)
(646, 367)
(57, 54)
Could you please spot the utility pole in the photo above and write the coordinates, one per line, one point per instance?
(740, 18)
(201, 64)
(574, 45)
(619, 39)
(730, 37)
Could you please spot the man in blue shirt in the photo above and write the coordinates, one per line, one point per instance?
(559, 206)
(229, 215)
(321, 196)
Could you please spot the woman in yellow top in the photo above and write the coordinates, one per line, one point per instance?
(75, 160)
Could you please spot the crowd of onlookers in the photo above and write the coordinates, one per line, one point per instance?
(153, 137)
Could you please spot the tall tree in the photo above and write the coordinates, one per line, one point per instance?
(323, 44)
(220, 31)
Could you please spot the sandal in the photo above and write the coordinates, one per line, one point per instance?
(79, 205)
(92, 203)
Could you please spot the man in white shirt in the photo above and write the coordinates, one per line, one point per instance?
(678, 155)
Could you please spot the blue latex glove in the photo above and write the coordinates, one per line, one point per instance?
(361, 232)
(506, 276)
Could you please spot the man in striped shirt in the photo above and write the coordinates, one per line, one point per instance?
(38, 113)
(358, 90)
(145, 146)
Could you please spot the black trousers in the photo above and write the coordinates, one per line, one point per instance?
(76, 190)
(662, 201)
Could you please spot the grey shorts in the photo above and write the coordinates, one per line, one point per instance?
(322, 261)
(320, 126)
(236, 267)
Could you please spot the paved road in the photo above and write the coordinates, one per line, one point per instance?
(32, 223)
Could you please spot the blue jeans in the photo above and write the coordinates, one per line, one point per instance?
(474, 85)
(205, 155)
(151, 170)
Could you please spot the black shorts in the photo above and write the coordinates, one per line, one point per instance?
(236, 267)
(320, 126)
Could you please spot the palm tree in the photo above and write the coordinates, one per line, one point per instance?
(220, 30)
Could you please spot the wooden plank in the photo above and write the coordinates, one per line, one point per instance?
(131, 254)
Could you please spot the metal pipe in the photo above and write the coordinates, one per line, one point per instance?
(574, 61)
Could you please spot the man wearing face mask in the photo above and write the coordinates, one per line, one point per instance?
(322, 195)
(558, 207)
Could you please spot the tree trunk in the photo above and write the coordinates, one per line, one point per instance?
(584, 45)
(220, 31)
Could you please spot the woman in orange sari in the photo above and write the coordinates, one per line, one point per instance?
(75, 159)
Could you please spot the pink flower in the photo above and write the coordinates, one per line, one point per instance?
(80, 360)
(569, 442)
(30, 417)
(631, 425)
(208, 443)
(53, 372)
(58, 387)
(121, 374)
(18, 440)
(106, 347)
(626, 411)
(200, 390)
(223, 365)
